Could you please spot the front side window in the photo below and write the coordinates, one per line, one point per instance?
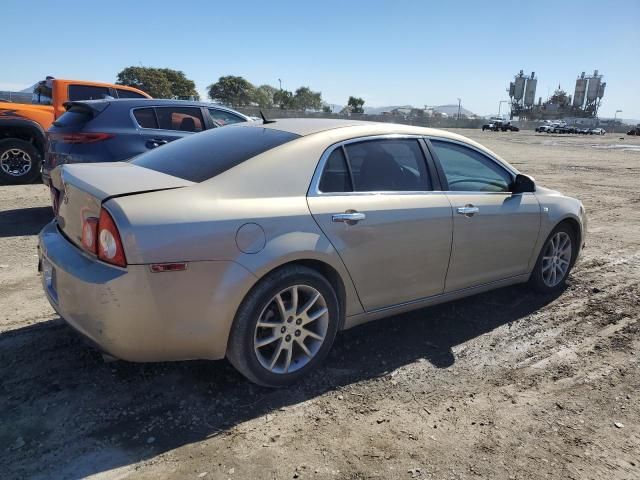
(388, 165)
(88, 92)
(470, 171)
(185, 119)
(224, 118)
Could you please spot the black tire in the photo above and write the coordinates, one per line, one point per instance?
(8, 165)
(240, 348)
(536, 280)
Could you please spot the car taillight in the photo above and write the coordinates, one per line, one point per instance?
(55, 199)
(90, 234)
(80, 137)
(108, 241)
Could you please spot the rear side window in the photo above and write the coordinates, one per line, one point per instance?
(185, 119)
(146, 117)
(335, 177)
(88, 92)
(224, 118)
(388, 165)
(122, 93)
(200, 157)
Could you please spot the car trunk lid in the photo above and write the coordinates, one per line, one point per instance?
(78, 191)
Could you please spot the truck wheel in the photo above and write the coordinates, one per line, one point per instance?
(19, 162)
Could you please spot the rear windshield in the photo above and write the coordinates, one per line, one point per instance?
(203, 156)
(72, 117)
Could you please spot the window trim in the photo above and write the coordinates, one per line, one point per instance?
(443, 178)
(314, 187)
(154, 107)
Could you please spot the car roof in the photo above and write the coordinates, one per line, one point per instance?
(142, 102)
(357, 128)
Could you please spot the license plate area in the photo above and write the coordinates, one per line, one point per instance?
(49, 279)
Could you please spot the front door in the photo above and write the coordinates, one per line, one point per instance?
(374, 201)
(494, 231)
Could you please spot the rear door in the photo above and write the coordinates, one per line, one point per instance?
(161, 125)
(375, 200)
(494, 231)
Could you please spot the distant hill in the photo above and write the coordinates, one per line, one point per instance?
(448, 109)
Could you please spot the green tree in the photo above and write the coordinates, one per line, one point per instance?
(305, 99)
(181, 86)
(232, 90)
(326, 108)
(356, 103)
(263, 96)
(150, 80)
(284, 99)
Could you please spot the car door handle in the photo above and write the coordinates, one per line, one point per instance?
(350, 218)
(468, 210)
(156, 142)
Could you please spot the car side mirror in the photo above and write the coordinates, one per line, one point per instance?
(523, 184)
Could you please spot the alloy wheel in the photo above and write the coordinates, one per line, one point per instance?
(15, 162)
(291, 329)
(556, 259)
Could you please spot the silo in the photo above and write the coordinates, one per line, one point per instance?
(512, 89)
(518, 90)
(581, 89)
(601, 90)
(594, 87)
(530, 91)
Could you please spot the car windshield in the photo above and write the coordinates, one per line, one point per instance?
(203, 156)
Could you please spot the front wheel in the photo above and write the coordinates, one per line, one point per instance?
(284, 327)
(555, 260)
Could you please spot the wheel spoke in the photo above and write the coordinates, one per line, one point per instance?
(314, 335)
(294, 299)
(303, 347)
(310, 303)
(276, 354)
(268, 325)
(266, 341)
(314, 316)
(280, 304)
(288, 358)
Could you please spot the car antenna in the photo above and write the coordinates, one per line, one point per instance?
(264, 119)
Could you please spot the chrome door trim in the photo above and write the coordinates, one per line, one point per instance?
(314, 187)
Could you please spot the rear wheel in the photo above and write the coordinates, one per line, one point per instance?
(555, 260)
(285, 327)
(19, 161)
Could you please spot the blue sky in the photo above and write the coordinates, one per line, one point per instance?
(388, 52)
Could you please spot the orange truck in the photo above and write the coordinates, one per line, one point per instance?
(23, 125)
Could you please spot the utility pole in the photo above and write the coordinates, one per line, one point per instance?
(459, 101)
(614, 119)
(500, 105)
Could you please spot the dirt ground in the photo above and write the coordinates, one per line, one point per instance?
(503, 385)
